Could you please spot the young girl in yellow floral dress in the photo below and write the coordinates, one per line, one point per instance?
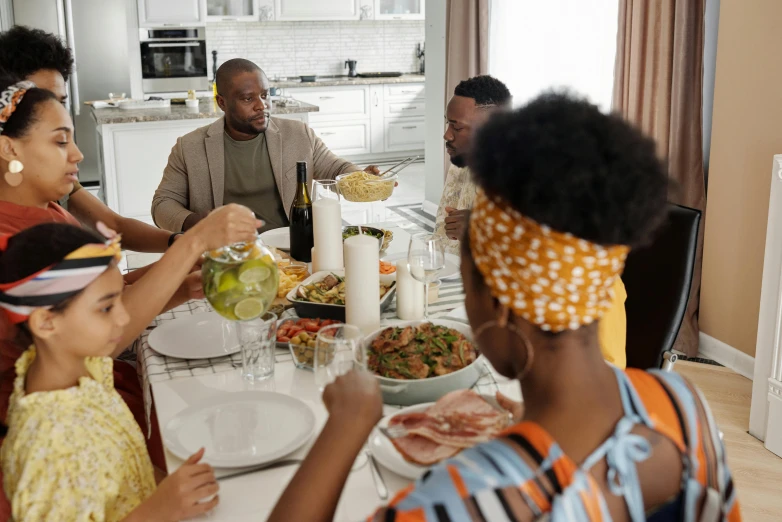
(73, 451)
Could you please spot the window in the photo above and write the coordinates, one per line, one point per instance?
(535, 45)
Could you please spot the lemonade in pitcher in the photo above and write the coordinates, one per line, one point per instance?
(240, 281)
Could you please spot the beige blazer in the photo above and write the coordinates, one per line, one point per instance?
(194, 179)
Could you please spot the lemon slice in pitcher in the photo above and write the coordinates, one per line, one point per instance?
(249, 308)
(253, 272)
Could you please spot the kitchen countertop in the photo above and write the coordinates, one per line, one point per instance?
(345, 80)
(207, 108)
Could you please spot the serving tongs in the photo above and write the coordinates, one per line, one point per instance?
(392, 173)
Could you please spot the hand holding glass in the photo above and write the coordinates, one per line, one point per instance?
(339, 349)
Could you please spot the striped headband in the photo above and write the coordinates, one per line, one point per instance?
(10, 100)
(56, 283)
(554, 280)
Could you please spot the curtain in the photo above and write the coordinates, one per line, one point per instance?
(658, 85)
(466, 46)
(537, 45)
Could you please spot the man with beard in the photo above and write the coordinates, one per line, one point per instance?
(244, 157)
(471, 104)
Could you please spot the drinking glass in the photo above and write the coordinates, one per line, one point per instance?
(425, 257)
(325, 189)
(339, 348)
(257, 338)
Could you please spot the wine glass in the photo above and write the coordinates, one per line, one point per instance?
(325, 189)
(339, 348)
(425, 257)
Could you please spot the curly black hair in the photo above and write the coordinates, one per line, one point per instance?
(563, 163)
(485, 90)
(24, 51)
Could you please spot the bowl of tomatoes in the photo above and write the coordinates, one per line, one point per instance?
(299, 335)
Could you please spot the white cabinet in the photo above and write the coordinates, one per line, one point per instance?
(345, 138)
(161, 13)
(232, 10)
(292, 10)
(408, 134)
(335, 103)
(399, 10)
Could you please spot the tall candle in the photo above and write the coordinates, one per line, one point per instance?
(327, 232)
(362, 283)
(409, 294)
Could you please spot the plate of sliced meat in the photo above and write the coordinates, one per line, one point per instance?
(412, 440)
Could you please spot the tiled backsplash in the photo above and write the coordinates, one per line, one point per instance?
(296, 48)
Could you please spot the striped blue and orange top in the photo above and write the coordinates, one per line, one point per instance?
(525, 475)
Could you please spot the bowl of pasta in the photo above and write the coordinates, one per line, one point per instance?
(363, 187)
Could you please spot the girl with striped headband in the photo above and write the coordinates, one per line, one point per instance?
(73, 451)
(564, 192)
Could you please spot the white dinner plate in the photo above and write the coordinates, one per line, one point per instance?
(198, 336)
(452, 263)
(279, 238)
(387, 455)
(240, 429)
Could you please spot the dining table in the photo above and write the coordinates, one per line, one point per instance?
(176, 384)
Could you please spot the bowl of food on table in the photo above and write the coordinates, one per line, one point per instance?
(416, 438)
(322, 295)
(377, 233)
(298, 335)
(420, 361)
(363, 187)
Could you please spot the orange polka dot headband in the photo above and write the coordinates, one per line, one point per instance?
(10, 100)
(552, 279)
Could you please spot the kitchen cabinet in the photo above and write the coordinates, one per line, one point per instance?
(163, 13)
(309, 10)
(367, 122)
(399, 10)
(232, 10)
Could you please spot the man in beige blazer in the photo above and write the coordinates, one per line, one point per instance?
(244, 157)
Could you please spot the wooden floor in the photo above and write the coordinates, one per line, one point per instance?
(757, 472)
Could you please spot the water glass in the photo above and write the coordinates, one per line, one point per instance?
(257, 338)
(339, 348)
(325, 189)
(426, 258)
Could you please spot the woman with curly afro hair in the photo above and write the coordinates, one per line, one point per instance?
(564, 193)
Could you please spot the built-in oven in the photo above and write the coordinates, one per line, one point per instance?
(173, 59)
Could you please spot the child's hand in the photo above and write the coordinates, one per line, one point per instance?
(180, 494)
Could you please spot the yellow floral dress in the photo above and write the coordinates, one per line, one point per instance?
(75, 454)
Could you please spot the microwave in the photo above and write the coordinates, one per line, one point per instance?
(173, 59)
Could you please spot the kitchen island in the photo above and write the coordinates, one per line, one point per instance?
(134, 145)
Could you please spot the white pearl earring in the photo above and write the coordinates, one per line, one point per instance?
(14, 175)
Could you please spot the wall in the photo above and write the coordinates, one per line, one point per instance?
(746, 133)
(296, 48)
(435, 102)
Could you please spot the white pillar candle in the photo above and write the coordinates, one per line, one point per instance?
(409, 294)
(362, 283)
(314, 266)
(327, 232)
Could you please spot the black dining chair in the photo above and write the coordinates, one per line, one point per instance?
(658, 279)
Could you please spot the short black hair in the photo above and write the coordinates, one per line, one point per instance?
(563, 163)
(26, 113)
(25, 51)
(231, 68)
(485, 90)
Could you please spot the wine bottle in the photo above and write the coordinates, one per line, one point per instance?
(302, 239)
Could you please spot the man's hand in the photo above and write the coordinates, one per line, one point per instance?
(456, 222)
(516, 409)
(373, 169)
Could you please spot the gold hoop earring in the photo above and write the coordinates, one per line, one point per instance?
(504, 324)
(14, 175)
